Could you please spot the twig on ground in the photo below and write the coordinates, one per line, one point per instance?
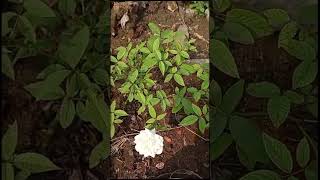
(179, 172)
(197, 134)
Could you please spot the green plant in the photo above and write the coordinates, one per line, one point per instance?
(253, 143)
(199, 6)
(28, 163)
(76, 74)
(116, 114)
(164, 102)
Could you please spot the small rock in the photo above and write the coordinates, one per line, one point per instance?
(124, 20)
(160, 165)
(207, 12)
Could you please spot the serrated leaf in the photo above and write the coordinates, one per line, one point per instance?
(9, 141)
(43, 10)
(7, 171)
(278, 109)
(250, 140)
(67, 7)
(178, 78)
(276, 17)
(220, 145)
(303, 152)
(311, 171)
(189, 120)
(304, 74)
(222, 58)
(72, 49)
(154, 28)
(152, 112)
(34, 163)
(261, 175)
(99, 153)
(257, 24)
(263, 89)
(196, 109)
(232, 97)
(278, 153)
(7, 66)
(67, 112)
(238, 33)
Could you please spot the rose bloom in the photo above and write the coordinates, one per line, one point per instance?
(148, 143)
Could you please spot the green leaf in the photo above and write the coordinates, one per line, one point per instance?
(150, 121)
(34, 163)
(72, 49)
(100, 76)
(238, 33)
(287, 32)
(72, 86)
(250, 140)
(7, 171)
(99, 153)
(178, 78)
(222, 58)
(221, 5)
(277, 17)
(304, 74)
(161, 116)
(7, 66)
(311, 171)
(257, 24)
(215, 93)
(67, 7)
(67, 112)
(155, 46)
(133, 76)
(145, 50)
(294, 97)
(303, 152)
(120, 113)
(261, 175)
(121, 52)
(220, 145)
(42, 9)
(152, 112)
(202, 125)
(218, 122)
(49, 70)
(184, 54)
(189, 120)
(22, 175)
(278, 153)
(232, 97)
(245, 159)
(278, 109)
(154, 28)
(45, 91)
(263, 89)
(162, 67)
(196, 109)
(26, 28)
(9, 141)
(299, 49)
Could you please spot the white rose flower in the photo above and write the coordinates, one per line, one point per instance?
(148, 143)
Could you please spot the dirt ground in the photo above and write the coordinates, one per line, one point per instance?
(185, 155)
